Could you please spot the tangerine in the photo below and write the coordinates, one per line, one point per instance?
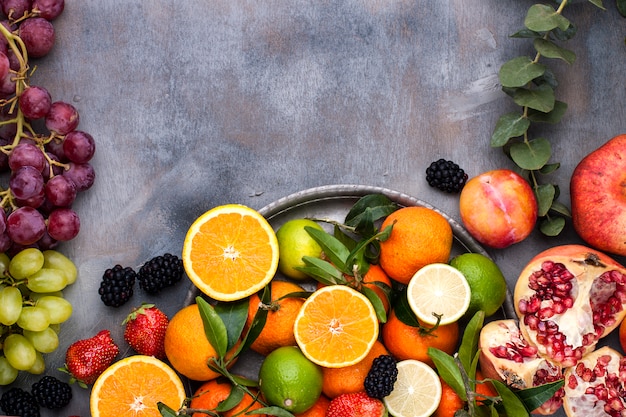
(420, 236)
(407, 342)
(186, 346)
(209, 395)
(247, 404)
(278, 329)
(485, 389)
(318, 409)
(450, 401)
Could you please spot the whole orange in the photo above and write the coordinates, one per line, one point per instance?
(485, 389)
(450, 401)
(318, 409)
(209, 395)
(278, 329)
(349, 379)
(420, 236)
(186, 346)
(408, 342)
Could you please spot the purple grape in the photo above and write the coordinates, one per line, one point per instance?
(27, 154)
(5, 65)
(62, 118)
(60, 191)
(46, 242)
(5, 242)
(7, 86)
(14, 9)
(3, 222)
(63, 224)
(55, 146)
(38, 36)
(48, 9)
(56, 169)
(26, 182)
(25, 226)
(79, 146)
(82, 175)
(35, 102)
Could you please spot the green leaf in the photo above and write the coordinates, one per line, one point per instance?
(553, 116)
(166, 411)
(552, 226)
(551, 50)
(544, 194)
(621, 7)
(214, 327)
(598, 3)
(234, 397)
(536, 396)
(519, 71)
(561, 209)
(403, 311)
(233, 315)
(549, 168)
(336, 251)
(258, 322)
(271, 411)
(565, 35)
(321, 271)
(540, 98)
(448, 371)
(510, 125)
(469, 342)
(531, 155)
(376, 303)
(526, 33)
(513, 406)
(542, 18)
(377, 206)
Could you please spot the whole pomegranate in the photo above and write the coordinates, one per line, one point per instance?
(567, 298)
(505, 355)
(596, 386)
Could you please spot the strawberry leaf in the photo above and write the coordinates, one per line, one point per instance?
(214, 327)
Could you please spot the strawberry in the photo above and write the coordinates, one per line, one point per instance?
(145, 330)
(86, 359)
(356, 404)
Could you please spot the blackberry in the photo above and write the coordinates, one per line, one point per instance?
(17, 402)
(381, 377)
(117, 285)
(160, 272)
(52, 393)
(446, 176)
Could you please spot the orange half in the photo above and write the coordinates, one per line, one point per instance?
(230, 252)
(133, 386)
(336, 326)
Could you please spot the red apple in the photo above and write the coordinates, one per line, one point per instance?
(598, 197)
(498, 208)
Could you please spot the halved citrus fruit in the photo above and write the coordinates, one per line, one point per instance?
(134, 386)
(438, 289)
(336, 326)
(416, 392)
(230, 252)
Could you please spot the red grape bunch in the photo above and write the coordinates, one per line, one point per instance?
(46, 157)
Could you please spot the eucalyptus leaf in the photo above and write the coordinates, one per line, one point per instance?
(542, 18)
(544, 193)
(549, 168)
(536, 396)
(548, 77)
(448, 371)
(519, 71)
(552, 226)
(336, 251)
(526, 33)
(553, 116)
(469, 342)
(513, 406)
(561, 209)
(531, 155)
(214, 327)
(598, 3)
(233, 315)
(271, 411)
(551, 50)
(565, 35)
(377, 303)
(510, 125)
(540, 98)
(166, 411)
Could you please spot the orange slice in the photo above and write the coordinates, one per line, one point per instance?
(336, 326)
(133, 386)
(230, 252)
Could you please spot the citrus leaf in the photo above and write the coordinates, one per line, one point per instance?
(519, 71)
(553, 116)
(542, 18)
(551, 50)
(344, 238)
(403, 311)
(552, 226)
(233, 315)
(321, 270)
(271, 411)
(214, 327)
(510, 125)
(377, 303)
(243, 381)
(544, 193)
(378, 206)
(166, 411)
(448, 371)
(531, 155)
(336, 251)
(258, 322)
(540, 98)
(511, 403)
(536, 396)
(469, 342)
(234, 397)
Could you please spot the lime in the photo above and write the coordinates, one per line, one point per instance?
(289, 380)
(486, 281)
(416, 392)
(294, 242)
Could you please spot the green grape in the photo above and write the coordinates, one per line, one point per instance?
(59, 309)
(8, 374)
(45, 341)
(4, 264)
(10, 305)
(19, 352)
(56, 260)
(26, 263)
(47, 280)
(33, 318)
(39, 366)
(34, 296)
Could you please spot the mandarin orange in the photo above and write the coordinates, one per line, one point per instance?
(209, 395)
(408, 342)
(247, 404)
(450, 401)
(278, 329)
(318, 409)
(420, 236)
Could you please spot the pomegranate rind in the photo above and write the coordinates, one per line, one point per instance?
(576, 323)
(578, 403)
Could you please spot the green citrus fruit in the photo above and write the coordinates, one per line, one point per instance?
(487, 283)
(288, 379)
(294, 242)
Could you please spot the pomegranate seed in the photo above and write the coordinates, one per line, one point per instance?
(572, 382)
